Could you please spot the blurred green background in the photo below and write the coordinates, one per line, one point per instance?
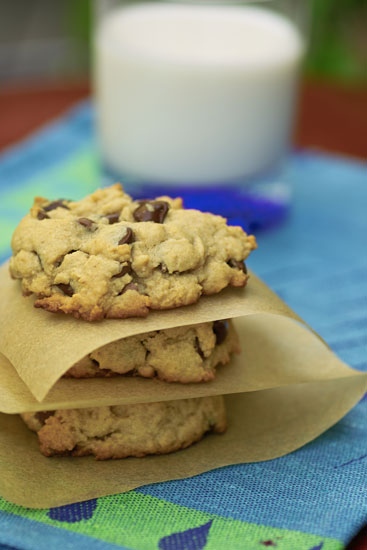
(338, 44)
(51, 39)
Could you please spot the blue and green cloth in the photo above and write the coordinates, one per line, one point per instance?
(316, 260)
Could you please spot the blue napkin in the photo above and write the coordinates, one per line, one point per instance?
(316, 260)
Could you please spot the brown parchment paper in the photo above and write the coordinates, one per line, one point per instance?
(262, 425)
(42, 346)
(282, 391)
(276, 351)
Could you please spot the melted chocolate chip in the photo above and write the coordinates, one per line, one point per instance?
(59, 260)
(42, 416)
(198, 348)
(85, 222)
(237, 265)
(220, 329)
(42, 215)
(125, 269)
(151, 211)
(131, 286)
(128, 237)
(55, 204)
(113, 218)
(66, 289)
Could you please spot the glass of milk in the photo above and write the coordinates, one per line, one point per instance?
(197, 99)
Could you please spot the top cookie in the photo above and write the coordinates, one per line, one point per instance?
(110, 256)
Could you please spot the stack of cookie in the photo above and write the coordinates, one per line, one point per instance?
(108, 256)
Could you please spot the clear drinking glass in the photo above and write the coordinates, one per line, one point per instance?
(197, 99)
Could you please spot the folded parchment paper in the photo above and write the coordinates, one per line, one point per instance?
(283, 390)
(262, 425)
(276, 351)
(42, 346)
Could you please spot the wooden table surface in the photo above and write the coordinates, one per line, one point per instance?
(331, 117)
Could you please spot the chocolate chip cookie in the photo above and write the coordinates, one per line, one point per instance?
(127, 430)
(182, 354)
(110, 256)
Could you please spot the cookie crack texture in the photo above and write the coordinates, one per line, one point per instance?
(181, 354)
(107, 256)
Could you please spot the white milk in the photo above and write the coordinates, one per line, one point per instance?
(194, 93)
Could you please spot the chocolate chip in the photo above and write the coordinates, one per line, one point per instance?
(66, 289)
(125, 269)
(129, 286)
(128, 237)
(42, 215)
(55, 204)
(198, 348)
(59, 260)
(42, 416)
(51, 206)
(85, 222)
(113, 218)
(151, 211)
(220, 329)
(237, 265)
